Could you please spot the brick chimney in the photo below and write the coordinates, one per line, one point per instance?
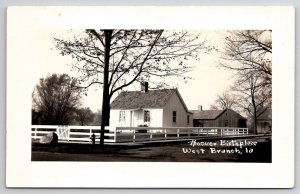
(144, 86)
(200, 107)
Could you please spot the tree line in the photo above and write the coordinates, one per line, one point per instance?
(56, 100)
(248, 53)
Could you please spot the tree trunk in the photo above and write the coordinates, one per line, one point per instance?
(255, 122)
(106, 98)
(254, 113)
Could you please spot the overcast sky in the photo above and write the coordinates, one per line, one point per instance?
(208, 81)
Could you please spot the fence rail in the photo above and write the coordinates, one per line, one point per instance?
(141, 134)
(82, 134)
(71, 133)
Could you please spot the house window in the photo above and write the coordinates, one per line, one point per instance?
(188, 119)
(146, 116)
(122, 116)
(174, 116)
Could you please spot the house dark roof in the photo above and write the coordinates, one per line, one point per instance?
(267, 115)
(138, 99)
(207, 114)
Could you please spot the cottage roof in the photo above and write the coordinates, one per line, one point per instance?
(207, 114)
(267, 115)
(138, 99)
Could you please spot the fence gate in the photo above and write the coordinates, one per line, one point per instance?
(63, 132)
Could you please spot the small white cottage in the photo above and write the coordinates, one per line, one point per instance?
(152, 108)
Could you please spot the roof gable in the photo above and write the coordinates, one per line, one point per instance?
(207, 114)
(138, 99)
(211, 114)
(182, 102)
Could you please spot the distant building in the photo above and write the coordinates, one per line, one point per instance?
(152, 108)
(218, 118)
(264, 122)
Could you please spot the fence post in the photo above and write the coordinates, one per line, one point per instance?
(133, 135)
(165, 134)
(178, 136)
(115, 134)
(68, 131)
(57, 130)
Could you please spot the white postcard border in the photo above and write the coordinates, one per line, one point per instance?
(21, 172)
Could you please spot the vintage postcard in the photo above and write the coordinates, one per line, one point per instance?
(150, 97)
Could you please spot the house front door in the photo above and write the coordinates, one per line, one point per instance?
(131, 118)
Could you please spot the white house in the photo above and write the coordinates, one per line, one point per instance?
(152, 108)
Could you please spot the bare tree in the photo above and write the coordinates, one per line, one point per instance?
(84, 116)
(118, 58)
(252, 99)
(97, 118)
(249, 54)
(55, 99)
(226, 100)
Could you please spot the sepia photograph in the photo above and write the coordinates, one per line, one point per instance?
(153, 95)
(150, 97)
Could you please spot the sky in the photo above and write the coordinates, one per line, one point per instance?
(208, 78)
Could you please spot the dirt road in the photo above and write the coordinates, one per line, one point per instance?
(240, 150)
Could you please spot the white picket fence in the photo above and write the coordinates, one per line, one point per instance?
(71, 133)
(82, 134)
